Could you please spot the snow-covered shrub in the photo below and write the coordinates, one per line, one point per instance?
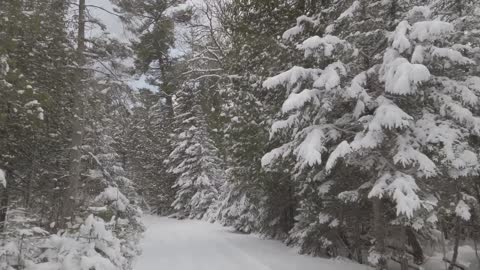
(93, 246)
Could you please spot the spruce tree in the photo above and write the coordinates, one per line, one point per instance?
(194, 161)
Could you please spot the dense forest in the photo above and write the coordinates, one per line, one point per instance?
(344, 128)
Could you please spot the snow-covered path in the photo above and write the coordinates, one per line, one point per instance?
(171, 244)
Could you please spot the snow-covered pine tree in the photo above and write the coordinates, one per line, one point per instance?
(194, 161)
(111, 193)
(35, 103)
(147, 148)
(92, 245)
(253, 200)
(155, 25)
(317, 115)
(453, 64)
(428, 90)
(356, 98)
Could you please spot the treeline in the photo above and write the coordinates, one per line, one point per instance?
(347, 128)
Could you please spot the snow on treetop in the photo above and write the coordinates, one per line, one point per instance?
(474, 84)
(298, 29)
(359, 109)
(402, 78)
(309, 152)
(270, 157)
(330, 77)
(349, 12)
(460, 113)
(452, 55)
(282, 124)
(463, 210)
(402, 188)
(291, 77)
(342, 150)
(324, 218)
(358, 92)
(356, 89)
(407, 156)
(325, 187)
(418, 55)
(96, 228)
(431, 30)
(295, 101)
(466, 159)
(389, 116)
(322, 46)
(203, 180)
(292, 32)
(113, 196)
(370, 139)
(400, 39)
(386, 116)
(459, 89)
(32, 103)
(349, 196)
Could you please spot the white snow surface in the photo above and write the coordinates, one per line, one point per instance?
(172, 244)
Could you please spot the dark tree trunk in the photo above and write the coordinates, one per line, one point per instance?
(457, 233)
(379, 230)
(71, 194)
(358, 241)
(417, 249)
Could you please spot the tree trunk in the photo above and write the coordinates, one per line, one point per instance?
(358, 241)
(29, 180)
(457, 233)
(379, 230)
(4, 204)
(77, 122)
(417, 249)
(169, 105)
(404, 258)
(475, 246)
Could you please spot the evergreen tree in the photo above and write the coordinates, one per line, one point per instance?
(253, 29)
(146, 155)
(156, 39)
(369, 105)
(194, 160)
(54, 187)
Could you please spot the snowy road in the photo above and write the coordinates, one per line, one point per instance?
(194, 245)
